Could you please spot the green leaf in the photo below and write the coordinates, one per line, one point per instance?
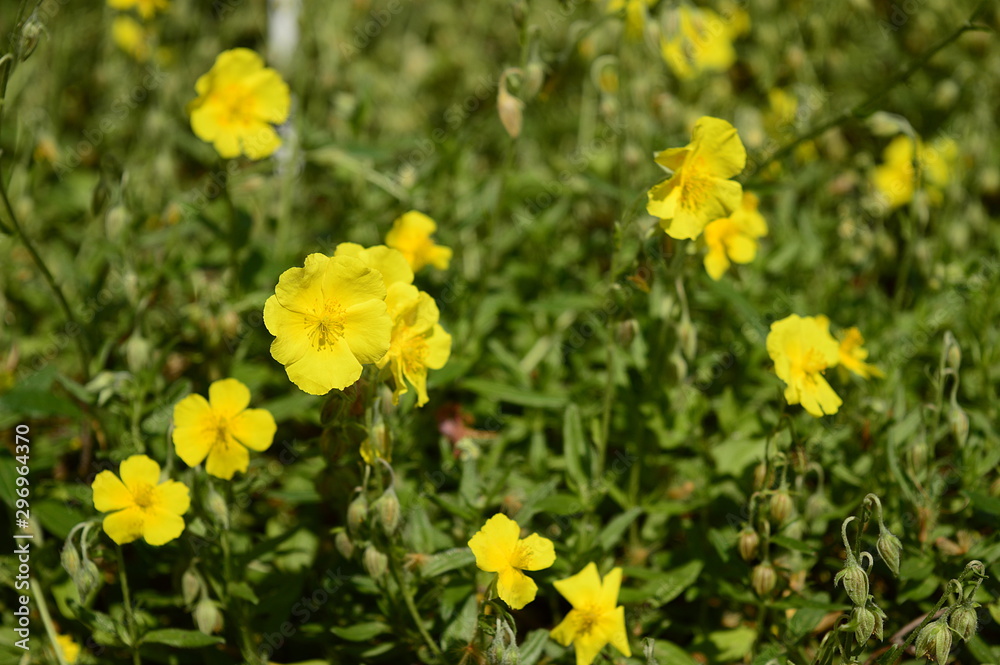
(514, 395)
(669, 653)
(446, 561)
(243, 590)
(612, 533)
(984, 502)
(803, 621)
(981, 651)
(732, 644)
(792, 544)
(361, 632)
(533, 646)
(574, 448)
(182, 639)
(664, 587)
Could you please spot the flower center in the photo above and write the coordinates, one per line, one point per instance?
(414, 354)
(808, 365)
(328, 326)
(143, 496)
(234, 102)
(589, 618)
(696, 183)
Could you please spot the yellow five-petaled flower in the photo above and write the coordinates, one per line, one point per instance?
(500, 549)
(733, 239)
(238, 101)
(142, 506)
(699, 189)
(221, 429)
(411, 235)
(802, 349)
(594, 621)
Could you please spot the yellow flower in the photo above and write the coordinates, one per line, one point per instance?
(146, 8)
(701, 41)
(734, 238)
(130, 36)
(238, 102)
(802, 349)
(852, 355)
(594, 620)
(895, 179)
(221, 428)
(418, 342)
(391, 263)
(699, 190)
(143, 506)
(411, 234)
(635, 15)
(328, 319)
(70, 649)
(499, 549)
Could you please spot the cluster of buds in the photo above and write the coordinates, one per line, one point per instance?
(369, 524)
(503, 649)
(935, 639)
(84, 572)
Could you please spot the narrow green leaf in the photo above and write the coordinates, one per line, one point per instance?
(182, 639)
(574, 448)
(361, 632)
(612, 533)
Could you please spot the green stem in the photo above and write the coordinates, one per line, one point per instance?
(50, 628)
(129, 612)
(868, 106)
(412, 609)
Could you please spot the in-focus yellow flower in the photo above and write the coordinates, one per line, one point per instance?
(239, 100)
(701, 40)
(411, 234)
(734, 238)
(328, 319)
(391, 263)
(499, 549)
(895, 180)
(146, 8)
(594, 620)
(802, 349)
(70, 649)
(221, 429)
(635, 15)
(699, 191)
(418, 343)
(130, 36)
(143, 506)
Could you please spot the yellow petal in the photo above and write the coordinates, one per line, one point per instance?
(193, 411)
(320, 371)
(716, 263)
(125, 525)
(172, 497)
(367, 330)
(567, 629)
(290, 329)
(300, 289)
(662, 199)
(109, 493)
(717, 141)
(271, 96)
(616, 633)
(515, 588)
(161, 527)
(138, 471)
(742, 249)
(228, 397)
(254, 428)
(438, 348)
(226, 458)
(672, 158)
(534, 553)
(494, 544)
(439, 257)
(582, 589)
(350, 282)
(588, 645)
(609, 588)
(417, 376)
(684, 225)
(820, 399)
(193, 443)
(259, 140)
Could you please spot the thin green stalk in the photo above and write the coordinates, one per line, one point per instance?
(129, 612)
(233, 604)
(412, 609)
(50, 629)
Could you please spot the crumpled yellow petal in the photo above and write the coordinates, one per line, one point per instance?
(494, 544)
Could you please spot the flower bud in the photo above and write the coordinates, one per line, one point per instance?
(87, 578)
(217, 507)
(344, 544)
(70, 559)
(864, 623)
(511, 111)
(879, 621)
(763, 578)
(748, 543)
(31, 31)
(534, 77)
(963, 621)
(934, 641)
(207, 617)
(375, 563)
(781, 506)
(357, 514)
(958, 422)
(889, 548)
(387, 511)
(687, 335)
(953, 352)
(503, 649)
(761, 476)
(190, 586)
(855, 581)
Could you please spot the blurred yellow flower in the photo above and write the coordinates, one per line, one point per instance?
(70, 649)
(390, 263)
(411, 234)
(699, 190)
(802, 349)
(130, 36)
(734, 238)
(221, 429)
(701, 40)
(499, 549)
(328, 319)
(594, 620)
(418, 343)
(143, 506)
(852, 354)
(146, 8)
(780, 117)
(895, 179)
(635, 15)
(238, 102)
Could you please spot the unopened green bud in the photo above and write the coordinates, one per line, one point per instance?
(816, 506)
(963, 621)
(953, 352)
(70, 559)
(763, 578)
(30, 33)
(934, 641)
(344, 544)
(386, 509)
(375, 563)
(190, 586)
(890, 549)
(357, 514)
(503, 649)
(748, 543)
(855, 581)
(87, 578)
(207, 617)
(534, 77)
(687, 336)
(879, 621)
(781, 506)
(958, 422)
(217, 507)
(864, 623)
(761, 477)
